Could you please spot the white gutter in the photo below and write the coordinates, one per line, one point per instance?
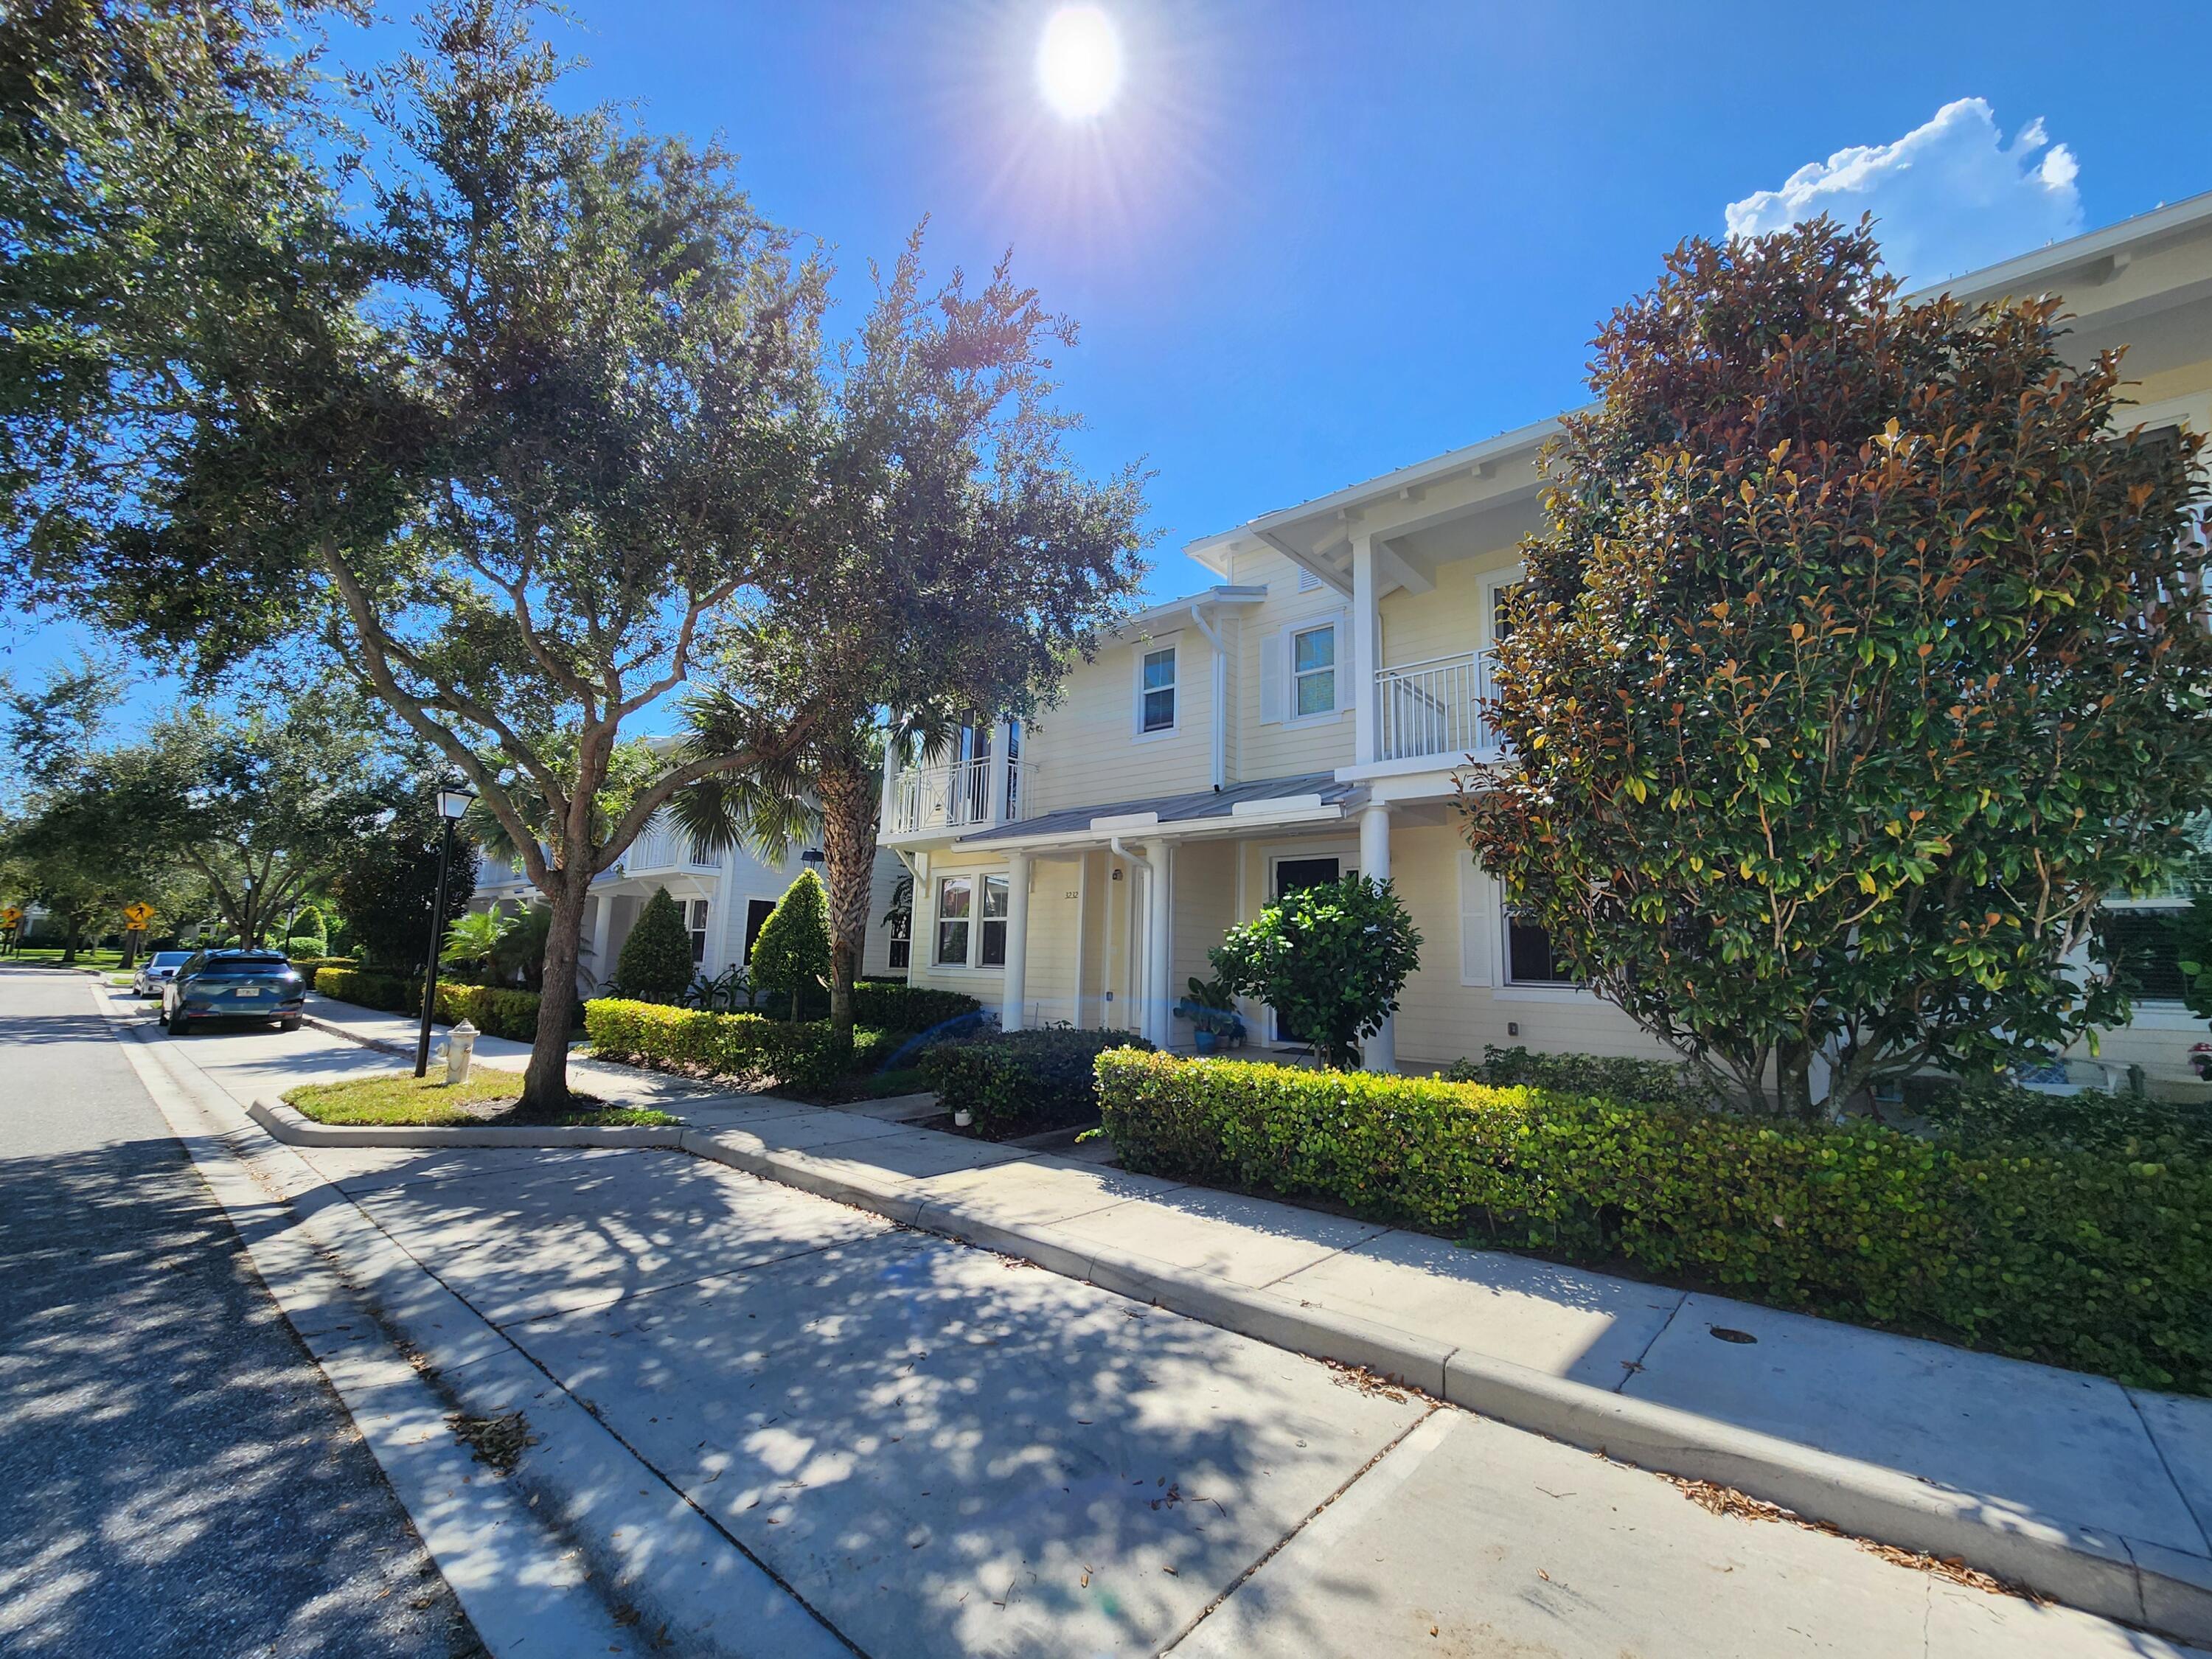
(1220, 696)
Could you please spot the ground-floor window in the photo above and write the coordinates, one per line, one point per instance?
(955, 898)
(2144, 943)
(1529, 958)
(698, 920)
(993, 941)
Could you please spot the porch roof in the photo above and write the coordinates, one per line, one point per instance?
(1303, 797)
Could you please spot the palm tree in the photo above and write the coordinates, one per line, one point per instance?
(473, 941)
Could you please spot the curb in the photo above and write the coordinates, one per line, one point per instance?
(295, 1129)
(2140, 1583)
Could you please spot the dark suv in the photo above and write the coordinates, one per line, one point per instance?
(234, 985)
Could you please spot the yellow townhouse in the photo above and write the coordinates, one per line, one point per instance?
(1303, 718)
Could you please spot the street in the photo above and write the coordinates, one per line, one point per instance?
(176, 1476)
(928, 1448)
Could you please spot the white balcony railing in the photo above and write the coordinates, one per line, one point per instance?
(661, 846)
(958, 796)
(1433, 708)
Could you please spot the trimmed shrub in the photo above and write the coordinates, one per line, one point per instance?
(892, 1004)
(493, 1010)
(2095, 1260)
(1608, 1077)
(792, 951)
(748, 1047)
(1023, 1080)
(2129, 1126)
(655, 961)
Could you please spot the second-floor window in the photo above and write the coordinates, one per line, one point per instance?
(698, 920)
(1156, 710)
(1313, 671)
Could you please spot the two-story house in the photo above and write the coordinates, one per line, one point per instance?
(1304, 716)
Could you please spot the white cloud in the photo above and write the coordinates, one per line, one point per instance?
(1948, 197)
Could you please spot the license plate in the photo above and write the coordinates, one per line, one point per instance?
(249, 992)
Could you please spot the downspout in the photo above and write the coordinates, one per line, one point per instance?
(1152, 1026)
(1221, 696)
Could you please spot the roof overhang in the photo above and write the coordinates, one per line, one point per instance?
(1156, 619)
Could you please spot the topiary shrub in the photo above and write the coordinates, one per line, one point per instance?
(655, 963)
(1330, 961)
(1608, 1077)
(791, 953)
(1019, 1082)
(2102, 1262)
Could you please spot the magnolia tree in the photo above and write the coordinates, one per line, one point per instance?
(1329, 960)
(1865, 656)
(538, 413)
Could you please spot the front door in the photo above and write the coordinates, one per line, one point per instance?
(1296, 876)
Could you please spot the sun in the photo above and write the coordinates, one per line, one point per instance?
(1079, 63)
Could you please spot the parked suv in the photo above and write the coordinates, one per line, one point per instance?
(158, 970)
(234, 985)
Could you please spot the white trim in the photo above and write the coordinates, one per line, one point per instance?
(1478, 901)
(1346, 854)
(1335, 623)
(1485, 626)
(1152, 646)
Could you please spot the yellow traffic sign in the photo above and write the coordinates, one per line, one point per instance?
(138, 914)
(10, 917)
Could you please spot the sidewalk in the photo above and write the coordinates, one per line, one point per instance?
(2097, 1495)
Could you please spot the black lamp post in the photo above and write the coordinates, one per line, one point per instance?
(453, 801)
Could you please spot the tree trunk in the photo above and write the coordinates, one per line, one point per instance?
(545, 1081)
(849, 799)
(69, 945)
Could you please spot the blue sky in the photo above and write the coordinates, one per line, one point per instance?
(1310, 242)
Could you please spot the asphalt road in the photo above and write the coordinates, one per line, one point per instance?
(176, 1476)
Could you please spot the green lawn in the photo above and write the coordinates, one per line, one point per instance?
(50, 955)
(399, 1099)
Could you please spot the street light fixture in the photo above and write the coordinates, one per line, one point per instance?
(453, 801)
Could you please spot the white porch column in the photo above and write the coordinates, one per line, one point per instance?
(603, 926)
(1380, 1051)
(1159, 999)
(889, 804)
(1002, 740)
(1364, 735)
(1017, 941)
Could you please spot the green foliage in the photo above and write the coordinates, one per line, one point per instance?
(1210, 1006)
(892, 1004)
(655, 961)
(1607, 1077)
(2101, 1262)
(792, 952)
(493, 1010)
(1861, 661)
(1331, 960)
(748, 1047)
(1018, 1082)
(387, 884)
(473, 939)
(1982, 1110)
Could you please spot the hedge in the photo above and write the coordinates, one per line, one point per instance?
(751, 1047)
(496, 1010)
(1022, 1080)
(1608, 1077)
(2095, 1260)
(892, 1004)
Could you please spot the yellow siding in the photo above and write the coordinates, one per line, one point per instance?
(1055, 904)
(1086, 749)
(1417, 627)
(1285, 750)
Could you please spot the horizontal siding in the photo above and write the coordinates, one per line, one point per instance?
(1084, 747)
(1284, 750)
(1444, 624)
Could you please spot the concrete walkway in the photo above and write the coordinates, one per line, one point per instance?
(761, 1414)
(2024, 1451)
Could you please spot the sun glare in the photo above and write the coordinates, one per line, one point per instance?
(1079, 62)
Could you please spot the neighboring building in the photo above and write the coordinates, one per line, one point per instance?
(1303, 718)
(726, 897)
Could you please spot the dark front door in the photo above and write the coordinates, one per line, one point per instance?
(1295, 876)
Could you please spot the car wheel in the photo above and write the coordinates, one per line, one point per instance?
(179, 1026)
(289, 1023)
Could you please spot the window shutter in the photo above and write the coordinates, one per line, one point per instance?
(1274, 675)
(1477, 918)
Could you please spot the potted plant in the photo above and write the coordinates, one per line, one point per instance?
(1215, 1023)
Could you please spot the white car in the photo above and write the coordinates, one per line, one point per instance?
(157, 970)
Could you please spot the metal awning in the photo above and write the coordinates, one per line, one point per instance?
(1305, 798)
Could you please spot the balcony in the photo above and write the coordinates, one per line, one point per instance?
(955, 797)
(1433, 708)
(661, 846)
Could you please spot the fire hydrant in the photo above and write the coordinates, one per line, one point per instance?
(460, 1048)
